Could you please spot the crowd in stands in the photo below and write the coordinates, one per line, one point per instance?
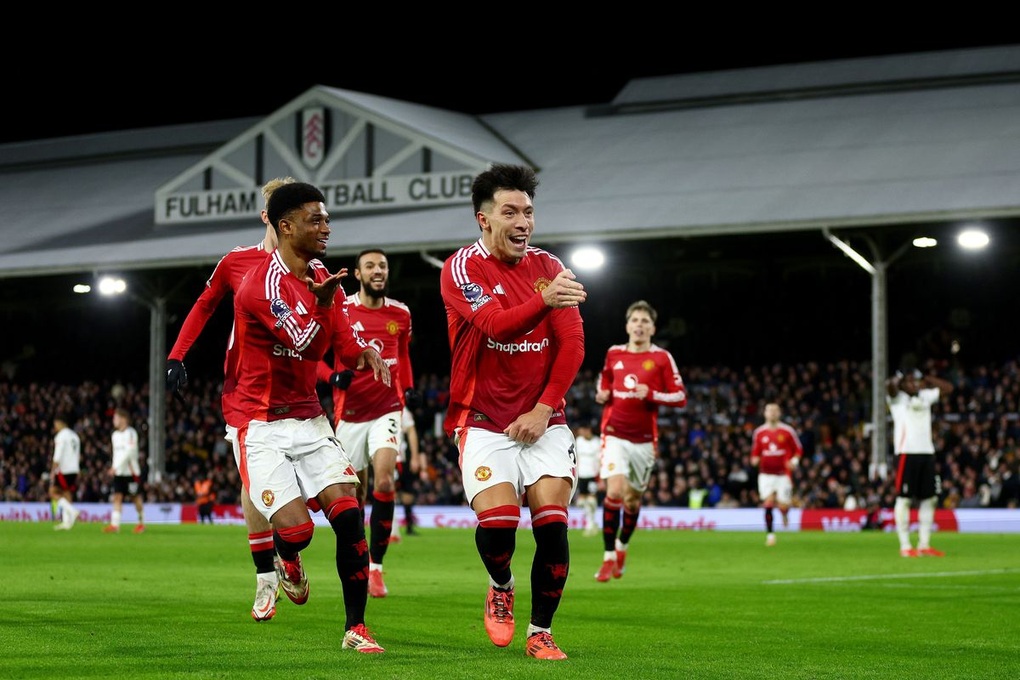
(703, 447)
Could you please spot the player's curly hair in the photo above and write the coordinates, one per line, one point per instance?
(288, 197)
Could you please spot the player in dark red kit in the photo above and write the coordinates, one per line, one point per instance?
(517, 342)
(368, 413)
(225, 279)
(285, 321)
(776, 450)
(636, 379)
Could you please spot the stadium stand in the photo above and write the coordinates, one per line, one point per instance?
(705, 445)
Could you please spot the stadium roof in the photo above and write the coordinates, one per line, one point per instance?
(861, 143)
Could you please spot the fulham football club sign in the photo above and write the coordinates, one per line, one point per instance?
(365, 153)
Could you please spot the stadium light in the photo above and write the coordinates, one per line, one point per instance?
(973, 239)
(112, 285)
(588, 258)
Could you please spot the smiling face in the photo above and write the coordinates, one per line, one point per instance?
(307, 230)
(507, 223)
(373, 271)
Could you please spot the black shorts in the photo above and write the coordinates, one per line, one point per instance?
(915, 475)
(405, 478)
(587, 486)
(66, 481)
(127, 485)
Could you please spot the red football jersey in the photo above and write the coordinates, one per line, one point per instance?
(509, 350)
(388, 330)
(225, 279)
(774, 446)
(626, 415)
(281, 335)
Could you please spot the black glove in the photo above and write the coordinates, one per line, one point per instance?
(341, 380)
(176, 375)
(411, 398)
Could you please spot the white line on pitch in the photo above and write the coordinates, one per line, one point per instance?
(875, 577)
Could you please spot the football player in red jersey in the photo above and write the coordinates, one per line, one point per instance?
(367, 413)
(285, 321)
(637, 378)
(516, 342)
(225, 279)
(776, 450)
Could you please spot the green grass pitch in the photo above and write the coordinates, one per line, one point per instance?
(175, 602)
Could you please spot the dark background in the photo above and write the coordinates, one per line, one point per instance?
(192, 70)
(755, 299)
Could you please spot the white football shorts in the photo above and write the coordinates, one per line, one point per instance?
(488, 458)
(781, 485)
(362, 440)
(632, 459)
(231, 436)
(291, 458)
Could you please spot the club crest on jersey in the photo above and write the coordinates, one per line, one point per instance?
(541, 284)
(648, 364)
(280, 310)
(268, 498)
(483, 473)
(392, 327)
